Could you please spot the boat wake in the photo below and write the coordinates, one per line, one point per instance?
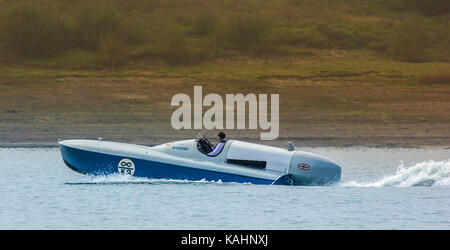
(424, 174)
(120, 179)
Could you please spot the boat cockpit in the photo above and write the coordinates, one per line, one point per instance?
(205, 146)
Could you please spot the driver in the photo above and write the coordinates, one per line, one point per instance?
(218, 147)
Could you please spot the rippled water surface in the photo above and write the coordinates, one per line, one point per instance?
(381, 188)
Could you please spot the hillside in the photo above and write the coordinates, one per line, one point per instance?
(348, 72)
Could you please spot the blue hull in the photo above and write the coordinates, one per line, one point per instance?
(94, 163)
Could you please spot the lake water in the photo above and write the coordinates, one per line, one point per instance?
(381, 188)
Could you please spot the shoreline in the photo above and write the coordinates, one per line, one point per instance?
(368, 111)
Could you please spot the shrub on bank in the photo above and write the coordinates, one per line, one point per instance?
(173, 46)
(113, 49)
(40, 28)
(344, 37)
(94, 22)
(30, 29)
(204, 23)
(412, 42)
(247, 31)
(179, 33)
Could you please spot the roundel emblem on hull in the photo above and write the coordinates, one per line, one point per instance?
(126, 166)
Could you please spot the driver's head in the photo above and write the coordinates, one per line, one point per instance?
(221, 136)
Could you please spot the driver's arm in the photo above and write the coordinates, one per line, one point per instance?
(217, 149)
(207, 141)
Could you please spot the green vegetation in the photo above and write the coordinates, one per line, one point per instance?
(344, 68)
(177, 32)
(32, 30)
(113, 48)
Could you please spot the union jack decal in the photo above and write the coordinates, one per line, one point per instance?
(304, 166)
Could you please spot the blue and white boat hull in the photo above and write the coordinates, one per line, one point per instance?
(182, 161)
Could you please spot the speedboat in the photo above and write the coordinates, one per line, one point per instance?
(238, 161)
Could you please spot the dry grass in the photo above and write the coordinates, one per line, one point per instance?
(136, 108)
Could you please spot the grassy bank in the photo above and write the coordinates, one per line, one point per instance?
(350, 99)
(88, 34)
(348, 72)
